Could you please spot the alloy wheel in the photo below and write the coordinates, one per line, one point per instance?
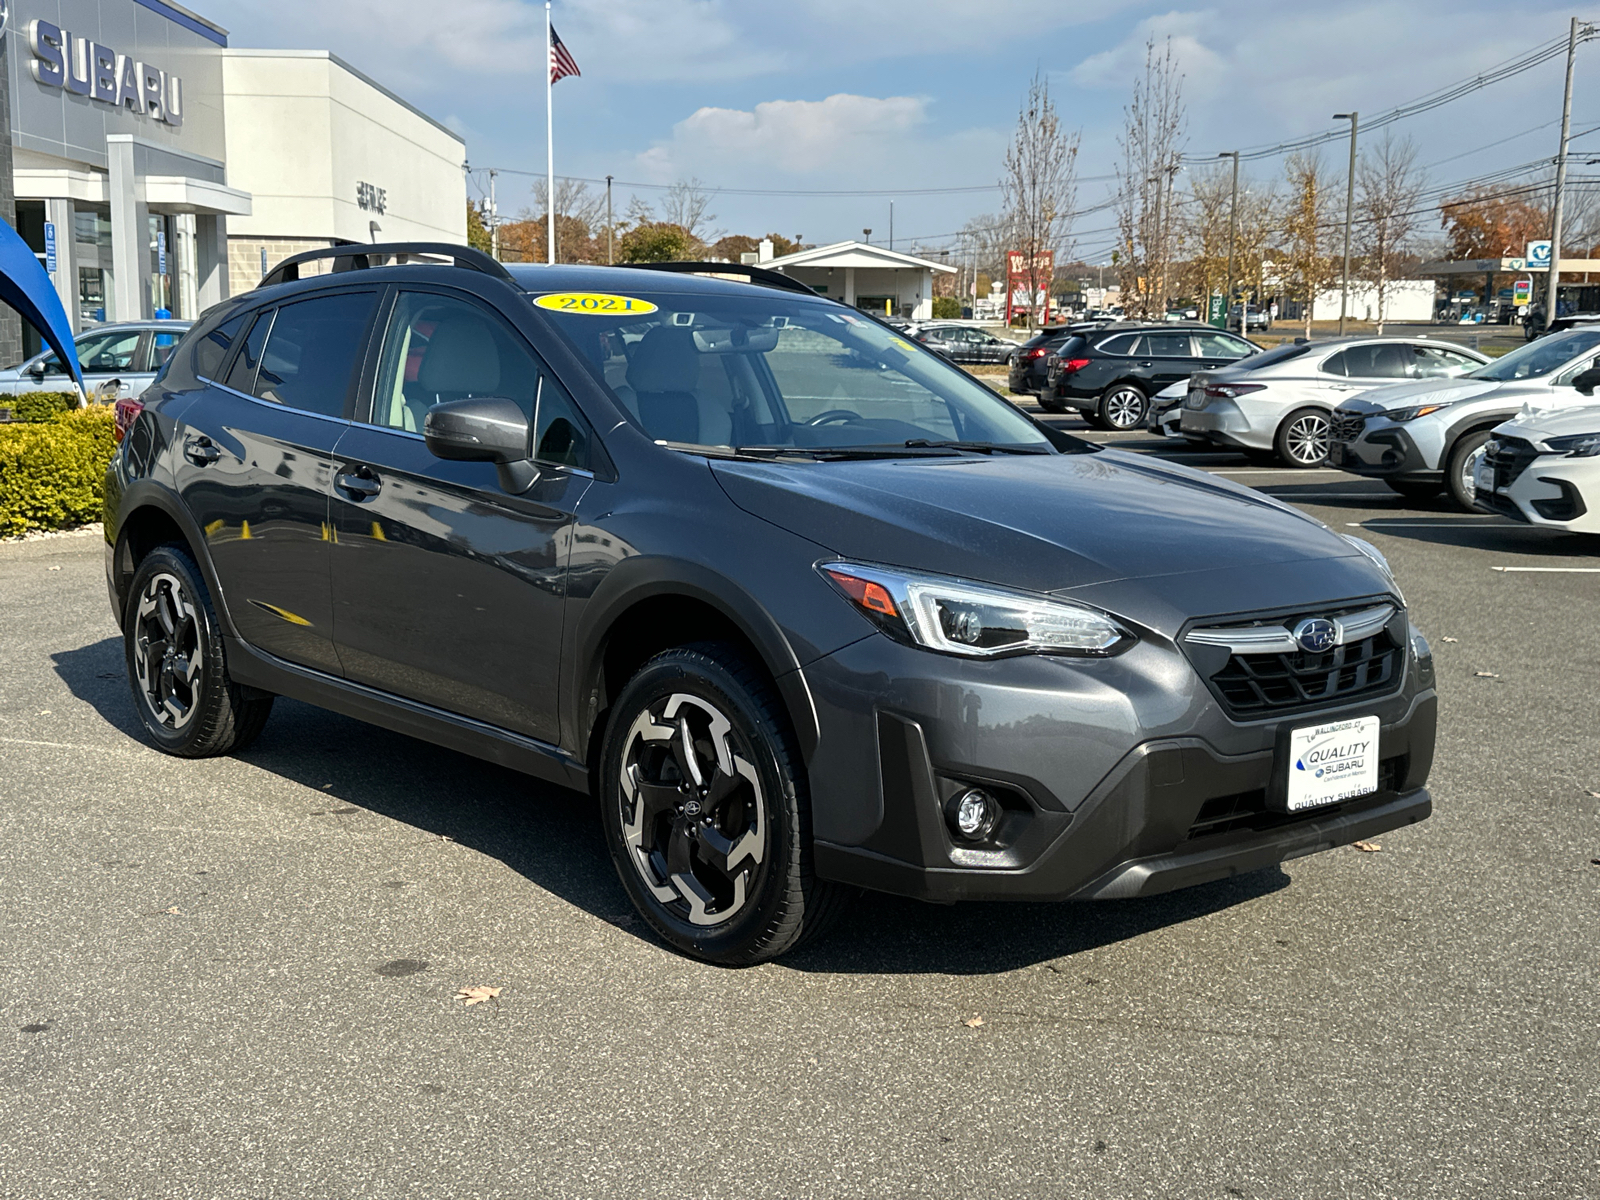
(167, 656)
(693, 816)
(1469, 473)
(1124, 408)
(1306, 440)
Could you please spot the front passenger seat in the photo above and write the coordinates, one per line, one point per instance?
(664, 373)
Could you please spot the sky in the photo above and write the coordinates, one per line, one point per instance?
(917, 101)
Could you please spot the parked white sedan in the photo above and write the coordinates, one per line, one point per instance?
(1543, 467)
(1277, 403)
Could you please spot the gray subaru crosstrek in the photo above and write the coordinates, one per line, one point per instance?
(803, 606)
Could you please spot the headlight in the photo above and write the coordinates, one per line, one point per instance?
(974, 620)
(1578, 445)
(1411, 414)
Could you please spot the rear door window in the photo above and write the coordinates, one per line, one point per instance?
(1378, 360)
(312, 350)
(1168, 345)
(1220, 345)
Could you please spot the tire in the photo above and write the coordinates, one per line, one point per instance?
(1123, 406)
(1302, 438)
(671, 809)
(1459, 466)
(1413, 489)
(172, 644)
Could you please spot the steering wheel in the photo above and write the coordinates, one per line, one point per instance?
(834, 416)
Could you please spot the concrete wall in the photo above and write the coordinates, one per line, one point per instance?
(1403, 300)
(339, 130)
(912, 289)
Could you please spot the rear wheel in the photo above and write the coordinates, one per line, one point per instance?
(706, 809)
(1302, 439)
(1122, 407)
(173, 646)
(1413, 489)
(1461, 466)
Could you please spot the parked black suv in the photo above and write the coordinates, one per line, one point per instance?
(1030, 361)
(799, 603)
(1110, 376)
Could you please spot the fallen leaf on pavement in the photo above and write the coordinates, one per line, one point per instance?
(55, 568)
(1593, 793)
(973, 1022)
(1449, 639)
(1367, 847)
(477, 995)
(1485, 675)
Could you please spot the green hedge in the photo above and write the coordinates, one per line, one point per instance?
(39, 406)
(52, 473)
(946, 308)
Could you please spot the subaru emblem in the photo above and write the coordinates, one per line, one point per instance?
(1317, 634)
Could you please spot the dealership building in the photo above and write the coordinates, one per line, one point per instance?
(157, 170)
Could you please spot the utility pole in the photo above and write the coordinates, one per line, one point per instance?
(891, 224)
(1552, 287)
(494, 218)
(1233, 239)
(1349, 209)
(609, 259)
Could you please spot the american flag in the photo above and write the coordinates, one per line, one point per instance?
(562, 63)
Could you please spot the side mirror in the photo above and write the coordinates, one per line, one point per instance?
(37, 370)
(483, 429)
(1587, 381)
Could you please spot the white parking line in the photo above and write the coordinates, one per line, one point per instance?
(1552, 570)
(1301, 471)
(1323, 495)
(1380, 524)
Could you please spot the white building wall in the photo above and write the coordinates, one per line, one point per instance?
(1403, 300)
(305, 131)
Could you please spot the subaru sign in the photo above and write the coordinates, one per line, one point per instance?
(1538, 256)
(86, 68)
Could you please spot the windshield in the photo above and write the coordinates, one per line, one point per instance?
(777, 372)
(1540, 357)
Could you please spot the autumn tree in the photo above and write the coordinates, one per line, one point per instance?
(1202, 244)
(477, 232)
(659, 241)
(524, 240)
(1307, 230)
(1039, 187)
(1152, 145)
(1387, 216)
(1494, 222)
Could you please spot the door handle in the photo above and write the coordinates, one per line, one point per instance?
(200, 451)
(358, 482)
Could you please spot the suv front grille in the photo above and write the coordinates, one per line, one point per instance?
(1251, 685)
(1249, 811)
(1510, 458)
(1346, 426)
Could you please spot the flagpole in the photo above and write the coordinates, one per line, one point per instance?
(549, 138)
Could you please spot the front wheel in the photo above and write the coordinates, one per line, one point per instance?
(173, 646)
(1122, 407)
(1302, 439)
(706, 809)
(1461, 469)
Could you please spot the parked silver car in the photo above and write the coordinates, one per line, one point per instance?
(130, 352)
(1278, 403)
(1423, 438)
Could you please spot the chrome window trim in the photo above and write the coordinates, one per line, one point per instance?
(272, 404)
(1279, 639)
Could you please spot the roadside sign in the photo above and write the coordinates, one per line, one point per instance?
(1522, 291)
(50, 247)
(161, 252)
(1538, 255)
(1218, 314)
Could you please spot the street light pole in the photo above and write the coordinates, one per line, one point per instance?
(609, 258)
(1554, 283)
(1233, 238)
(1349, 210)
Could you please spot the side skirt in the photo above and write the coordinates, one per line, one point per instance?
(254, 668)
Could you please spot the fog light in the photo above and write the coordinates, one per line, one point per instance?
(973, 814)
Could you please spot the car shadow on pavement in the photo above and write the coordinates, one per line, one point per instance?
(1467, 533)
(551, 836)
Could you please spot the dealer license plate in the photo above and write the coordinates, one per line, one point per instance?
(1331, 762)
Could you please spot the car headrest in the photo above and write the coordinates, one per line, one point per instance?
(461, 357)
(665, 361)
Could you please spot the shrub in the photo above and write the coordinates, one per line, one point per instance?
(39, 406)
(52, 473)
(946, 308)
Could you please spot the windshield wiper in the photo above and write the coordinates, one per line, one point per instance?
(835, 453)
(978, 447)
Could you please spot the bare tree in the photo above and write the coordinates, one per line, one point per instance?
(982, 245)
(1039, 189)
(1388, 186)
(573, 199)
(685, 204)
(1201, 242)
(1308, 229)
(1152, 144)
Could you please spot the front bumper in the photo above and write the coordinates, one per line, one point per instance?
(1119, 777)
(1550, 492)
(1385, 452)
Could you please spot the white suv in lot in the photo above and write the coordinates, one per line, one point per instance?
(1544, 466)
(1426, 437)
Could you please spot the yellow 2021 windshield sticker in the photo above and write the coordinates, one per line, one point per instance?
(595, 304)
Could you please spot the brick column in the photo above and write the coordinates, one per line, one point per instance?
(10, 322)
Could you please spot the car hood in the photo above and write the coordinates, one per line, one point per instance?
(1420, 391)
(1064, 523)
(1537, 425)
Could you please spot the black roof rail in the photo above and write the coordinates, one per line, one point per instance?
(752, 272)
(358, 256)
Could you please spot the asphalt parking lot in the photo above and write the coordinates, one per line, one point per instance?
(236, 978)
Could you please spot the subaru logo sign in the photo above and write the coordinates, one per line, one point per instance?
(1317, 634)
